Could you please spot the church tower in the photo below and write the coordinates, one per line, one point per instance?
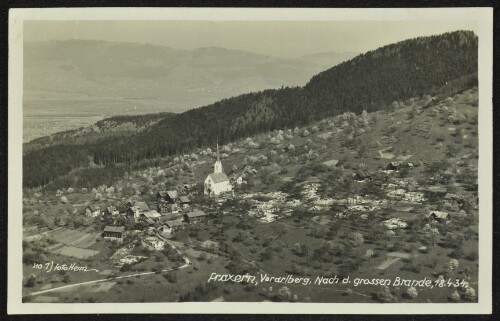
(218, 164)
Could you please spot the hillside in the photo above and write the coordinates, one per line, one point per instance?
(348, 195)
(378, 80)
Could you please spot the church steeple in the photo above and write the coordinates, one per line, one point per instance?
(218, 164)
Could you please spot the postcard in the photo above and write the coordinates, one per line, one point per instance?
(225, 160)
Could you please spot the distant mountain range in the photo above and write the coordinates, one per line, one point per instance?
(177, 79)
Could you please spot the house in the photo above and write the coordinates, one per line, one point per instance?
(152, 214)
(173, 226)
(184, 200)
(194, 217)
(92, 211)
(142, 206)
(149, 221)
(155, 243)
(438, 216)
(186, 187)
(122, 209)
(239, 180)
(217, 182)
(393, 166)
(110, 210)
(134, 211)
(137, 209)
(167, 196)
(114, 232)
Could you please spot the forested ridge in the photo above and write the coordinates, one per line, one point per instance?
(371, 81)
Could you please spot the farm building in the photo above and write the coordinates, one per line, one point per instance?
(173, 226)
(194, 217)
(110, 210)
(184, 200)
(92, 211)
(393, 166)
(152, 214)
(438, 216)
(167, 196)
(113, 232)
(217, 182)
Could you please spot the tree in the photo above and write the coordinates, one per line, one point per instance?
(30, 282)
(412, 292)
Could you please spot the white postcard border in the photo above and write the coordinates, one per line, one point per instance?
(484, 19)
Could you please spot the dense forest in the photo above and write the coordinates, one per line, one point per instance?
(371, 81)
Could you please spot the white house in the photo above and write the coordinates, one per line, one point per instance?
(217, 182)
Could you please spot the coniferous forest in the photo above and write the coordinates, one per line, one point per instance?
(371, 81)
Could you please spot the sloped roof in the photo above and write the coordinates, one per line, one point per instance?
(438, 214)
(141, 206)
(195, 214)
(172, 194)
(174, 223)
(152, 214)
(184, 199)
(117, 229)
(218, 177)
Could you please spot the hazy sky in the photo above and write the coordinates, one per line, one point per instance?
(276, 38)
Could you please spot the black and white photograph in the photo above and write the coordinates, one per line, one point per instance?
(199, 156)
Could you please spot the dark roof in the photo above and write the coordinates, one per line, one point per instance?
(195, 214)
(121, 208)
(184, 199)
(218, 177)
(118, 229)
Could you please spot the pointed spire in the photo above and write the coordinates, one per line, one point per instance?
(218, 152)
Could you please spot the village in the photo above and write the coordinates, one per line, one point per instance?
(324, 199)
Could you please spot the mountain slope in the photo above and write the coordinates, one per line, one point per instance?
(377, 80)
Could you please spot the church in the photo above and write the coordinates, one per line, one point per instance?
(217, 182)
